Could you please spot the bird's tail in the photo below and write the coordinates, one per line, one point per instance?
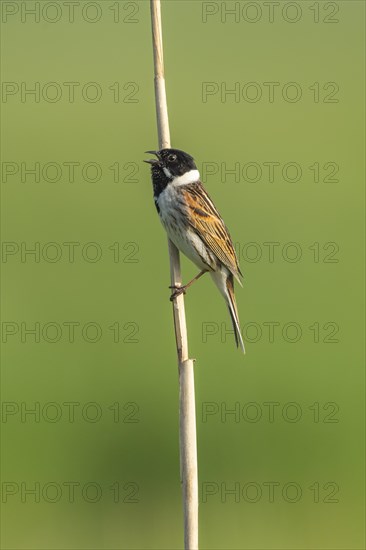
(233, 310)
(225, 283)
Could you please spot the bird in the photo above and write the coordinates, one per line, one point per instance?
(195, 226)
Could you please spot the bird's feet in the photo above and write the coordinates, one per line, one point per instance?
(178, 290)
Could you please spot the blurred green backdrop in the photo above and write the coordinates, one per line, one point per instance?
(96, 465)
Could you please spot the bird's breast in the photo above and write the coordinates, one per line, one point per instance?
(172, 209)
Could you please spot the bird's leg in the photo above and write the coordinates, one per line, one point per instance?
(178, 290)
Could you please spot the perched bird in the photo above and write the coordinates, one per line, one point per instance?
(194, 225)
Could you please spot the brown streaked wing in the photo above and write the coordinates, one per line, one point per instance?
(208, 224)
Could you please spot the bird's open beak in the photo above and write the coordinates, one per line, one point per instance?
(152, 161)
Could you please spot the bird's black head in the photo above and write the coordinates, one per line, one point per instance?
(170, 165)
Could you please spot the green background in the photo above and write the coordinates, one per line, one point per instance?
(142, 447)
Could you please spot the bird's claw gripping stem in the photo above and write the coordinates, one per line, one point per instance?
(178, 290)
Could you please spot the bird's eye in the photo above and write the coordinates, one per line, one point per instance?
(172, 158)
